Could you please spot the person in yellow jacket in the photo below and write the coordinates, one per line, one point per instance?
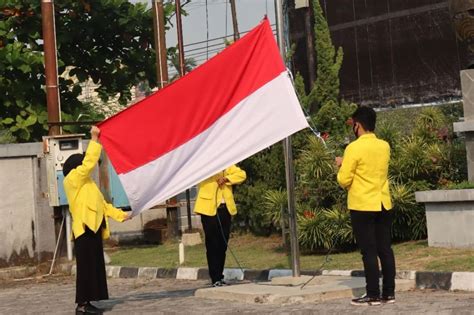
(89, 212)
(216, 205)
(364, 173)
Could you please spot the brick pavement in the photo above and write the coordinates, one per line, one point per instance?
(55, 295)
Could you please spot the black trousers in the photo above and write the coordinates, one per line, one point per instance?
(91, 281)
(217, 236)
(372, 231)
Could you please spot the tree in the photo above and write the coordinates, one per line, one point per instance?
(329, 62)
(323, 102)
(173, 57)
(106, 41)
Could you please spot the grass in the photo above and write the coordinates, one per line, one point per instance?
(267, 253)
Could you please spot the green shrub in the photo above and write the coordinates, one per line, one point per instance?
(316, 175)
(324, 228)
(275, 204)
(460, 185)
(409, 216)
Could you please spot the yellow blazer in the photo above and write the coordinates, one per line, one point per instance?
(210, 194)
(86, 203)
(364, 172)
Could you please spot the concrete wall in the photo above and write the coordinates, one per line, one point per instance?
(450, 225)
(449, 217)
(27, 226)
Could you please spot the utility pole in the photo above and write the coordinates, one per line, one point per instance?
(182, 72)
(51, 65)
(234, 20)
(290, 176)
(53, 103)
(179, 29)
(160, 43)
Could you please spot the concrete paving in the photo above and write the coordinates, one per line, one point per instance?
(55, 295)
(320, 288)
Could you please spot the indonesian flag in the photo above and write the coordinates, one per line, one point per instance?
(233, 106)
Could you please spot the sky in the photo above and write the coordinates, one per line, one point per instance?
(219, 24)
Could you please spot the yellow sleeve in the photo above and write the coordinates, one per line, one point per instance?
(116, 214)
(348, 168)
(235, 175)
(84, 170)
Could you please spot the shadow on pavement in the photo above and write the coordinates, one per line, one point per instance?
(108, 305)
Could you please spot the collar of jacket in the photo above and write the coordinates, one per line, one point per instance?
(367, 135)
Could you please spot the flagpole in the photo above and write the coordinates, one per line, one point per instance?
(290, 176)
(182, 72)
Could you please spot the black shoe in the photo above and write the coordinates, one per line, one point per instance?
(217, 284)
(88, 309)
(389, 299)
(366, 300)
(224, 282)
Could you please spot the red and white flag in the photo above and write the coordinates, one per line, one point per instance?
(233, 106)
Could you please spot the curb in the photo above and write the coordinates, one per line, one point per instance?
(450, 281)
(17, 272)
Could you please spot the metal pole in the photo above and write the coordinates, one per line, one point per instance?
(179, 29)
(68, 232)
(234, 20)
(182, 72)
(160, 43)
(290, 184)
(188, 208)
(57, 246)
(50, 65)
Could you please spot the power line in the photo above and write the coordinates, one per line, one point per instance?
(222, 37)
(203, 51)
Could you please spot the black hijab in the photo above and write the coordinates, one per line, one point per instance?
(72, 162)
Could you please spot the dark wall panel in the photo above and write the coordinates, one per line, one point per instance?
(395, 51)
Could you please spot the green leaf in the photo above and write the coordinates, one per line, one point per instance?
(31, 120)
(8, 121)
(81, 75)
(25, 68)
(20, 103)
(24, 134)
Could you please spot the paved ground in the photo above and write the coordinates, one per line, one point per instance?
(169, 296)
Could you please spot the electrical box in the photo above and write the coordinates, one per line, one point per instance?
(57, 149)
(110, 184)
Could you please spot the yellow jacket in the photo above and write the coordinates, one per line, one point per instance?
(210, 194)
(86, 203)
(364, 172)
